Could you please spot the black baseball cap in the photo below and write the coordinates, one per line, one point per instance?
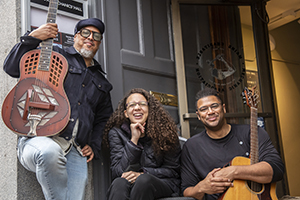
(90, 22)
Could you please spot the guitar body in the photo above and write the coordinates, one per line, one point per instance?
(38, 93)
(242, 190)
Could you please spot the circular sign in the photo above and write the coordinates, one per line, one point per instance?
(220, 66)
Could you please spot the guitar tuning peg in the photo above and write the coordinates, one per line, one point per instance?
(244, 102)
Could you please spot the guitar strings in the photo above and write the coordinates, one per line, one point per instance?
(43, 69)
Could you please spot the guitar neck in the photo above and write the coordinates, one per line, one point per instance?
(46, 45)
(253, 136)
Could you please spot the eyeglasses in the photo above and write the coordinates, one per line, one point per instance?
(132, 105)
(213, 107)
(86, 33)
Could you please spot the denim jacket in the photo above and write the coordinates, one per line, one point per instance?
(87, 89)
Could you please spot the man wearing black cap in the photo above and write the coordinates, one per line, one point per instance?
(60, 162)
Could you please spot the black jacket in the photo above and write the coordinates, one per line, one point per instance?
(126, 156)
(87, 89)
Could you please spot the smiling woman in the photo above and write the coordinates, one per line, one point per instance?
(144, 149)
(136, 113)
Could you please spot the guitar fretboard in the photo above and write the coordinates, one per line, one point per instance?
(46, 45)
(253, 136)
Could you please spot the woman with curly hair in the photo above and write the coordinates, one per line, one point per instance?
(144, 148)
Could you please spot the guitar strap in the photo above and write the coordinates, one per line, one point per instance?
(66, 145)
(74, 133)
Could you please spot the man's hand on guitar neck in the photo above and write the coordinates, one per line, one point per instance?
(45, 31)
(210, 185)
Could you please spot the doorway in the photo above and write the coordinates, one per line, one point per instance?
(224, 46)
(218, 52)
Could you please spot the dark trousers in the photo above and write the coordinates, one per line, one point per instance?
(146, 187)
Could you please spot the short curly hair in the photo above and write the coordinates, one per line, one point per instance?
(208, 92)
(160, 126)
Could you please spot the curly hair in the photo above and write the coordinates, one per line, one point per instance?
(208, 92)
(160, 127)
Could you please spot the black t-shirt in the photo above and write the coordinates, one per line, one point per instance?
(201, 154)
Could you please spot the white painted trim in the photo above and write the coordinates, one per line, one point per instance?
(180, 70)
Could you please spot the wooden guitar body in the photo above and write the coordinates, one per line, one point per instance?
(38, 94)
(38, 104)
(242, 190)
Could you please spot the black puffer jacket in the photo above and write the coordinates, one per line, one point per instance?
(126, 156)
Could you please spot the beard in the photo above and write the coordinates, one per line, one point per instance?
(86, 53)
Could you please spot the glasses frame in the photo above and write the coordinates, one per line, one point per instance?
(213, 107)
(90, 32)
(133, 104)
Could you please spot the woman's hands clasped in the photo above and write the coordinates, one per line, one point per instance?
(131, 176)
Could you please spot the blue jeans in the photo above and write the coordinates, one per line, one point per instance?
(61, 177)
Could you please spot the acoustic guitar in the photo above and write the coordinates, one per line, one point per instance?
(249, 190)
(38, 104)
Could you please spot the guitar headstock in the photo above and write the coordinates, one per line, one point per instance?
(251, 97)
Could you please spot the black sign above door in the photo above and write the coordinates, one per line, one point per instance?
(69, 6)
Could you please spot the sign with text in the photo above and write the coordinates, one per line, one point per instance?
(69, 6)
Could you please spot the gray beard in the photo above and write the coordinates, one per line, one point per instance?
(86, 53)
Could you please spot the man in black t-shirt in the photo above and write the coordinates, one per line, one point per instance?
(204, 155)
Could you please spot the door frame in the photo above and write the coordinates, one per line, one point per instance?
(262, 53)
(179, 59)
